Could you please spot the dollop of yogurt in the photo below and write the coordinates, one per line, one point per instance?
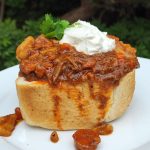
(87, 38)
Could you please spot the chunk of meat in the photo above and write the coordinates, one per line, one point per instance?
(42, 43)
(89, 64)
(9, 122)
(40, 71)
(86, 139)
(104, 129)
(27, 66)
(18, 114)
(54, 137)
(23, 50)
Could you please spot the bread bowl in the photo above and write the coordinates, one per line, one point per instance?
(40, 109)
(61, 88)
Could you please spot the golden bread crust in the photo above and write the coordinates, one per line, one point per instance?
(67, 107)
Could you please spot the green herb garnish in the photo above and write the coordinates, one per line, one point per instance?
(53, 28)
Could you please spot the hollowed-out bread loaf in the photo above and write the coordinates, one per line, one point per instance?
(67, 106)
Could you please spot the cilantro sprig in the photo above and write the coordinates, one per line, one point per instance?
(53, 28)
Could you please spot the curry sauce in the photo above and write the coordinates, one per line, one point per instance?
(46, 59)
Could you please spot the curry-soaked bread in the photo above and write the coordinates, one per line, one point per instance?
(67, 107)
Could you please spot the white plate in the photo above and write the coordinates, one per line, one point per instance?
(131, 131)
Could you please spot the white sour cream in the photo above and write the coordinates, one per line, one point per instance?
(87, 38)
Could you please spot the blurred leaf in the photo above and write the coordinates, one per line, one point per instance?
(15, 3)
(9, 38)
(32, 27)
